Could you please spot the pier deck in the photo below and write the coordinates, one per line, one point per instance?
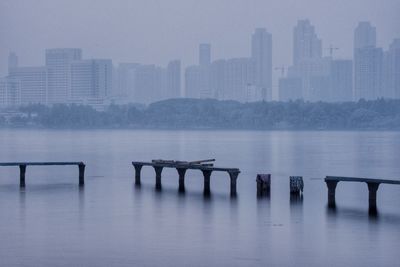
(23, 165)
(373, 185)
(182, 167)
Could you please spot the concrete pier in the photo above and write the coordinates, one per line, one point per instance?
(138, 169)
(182, 167)
(181, 173)
(373, 185)
(22, 169)
(207, 181)
(158, 170)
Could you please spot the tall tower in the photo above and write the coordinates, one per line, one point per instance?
(174, 79)
(306, 44)
(364, 35)
(12, 61)
(204, 54)
(58, 63)
(261, 53)
(368, 63)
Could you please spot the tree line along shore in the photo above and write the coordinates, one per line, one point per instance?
(381, 114)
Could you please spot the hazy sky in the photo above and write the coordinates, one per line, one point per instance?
(155, 31)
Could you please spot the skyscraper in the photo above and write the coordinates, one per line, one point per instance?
(368, 61)
(364, 35)
(32, 84)
(12, 61)
(204, 54)
(306, 44)
(341, 76)
(261, 54)
(58, 63)
(90, 79)
(173, 89)
(391, 71)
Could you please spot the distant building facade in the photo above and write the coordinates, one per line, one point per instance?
(58, 63)
(261, 54)
(391, 71)
(29, 84)
(90, 79)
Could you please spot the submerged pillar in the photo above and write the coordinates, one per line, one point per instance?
(372, 188)
(233, 176)
(181, 172)
(158, 171)
(81, 167)
(207, 176)
(138, 169)
(331, 192)
(22, 170)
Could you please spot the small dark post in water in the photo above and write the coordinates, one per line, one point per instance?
(233, 176)
(138, 169)
(181, 172)
(331, 192)
(296, 184)
(22, 170)
(263, 184)
(207, 175)
(81, 167)
(158, 171)
(372, 188)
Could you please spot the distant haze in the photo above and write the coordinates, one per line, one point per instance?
(155, 31)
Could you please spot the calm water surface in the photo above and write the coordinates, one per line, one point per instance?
(113, 223)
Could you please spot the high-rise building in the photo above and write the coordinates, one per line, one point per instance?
(308, 69)
(341, 76)
(197, 77)
(125, 79)
(217, 80)
(58, 63)
(368, 63)
(32, 82)
(261, 54)
(90, 79)
(306, 44)
(364, 35)
(239, 79)
(204, 54)
(173, 88)
(10, 94)
(308, 64)
(12, 61)
(391, 71)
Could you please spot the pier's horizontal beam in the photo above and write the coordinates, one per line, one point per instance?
(373, 185)
(23, 165)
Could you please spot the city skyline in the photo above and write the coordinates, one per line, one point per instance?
(68, 77)
(114, 31)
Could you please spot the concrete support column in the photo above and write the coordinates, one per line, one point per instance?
(233, 176)
(207, 176)
(81, 167)
(331, 192)
(138, 169)
(22, 170)
(181, 172)
(158, 171)
(372, 188)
